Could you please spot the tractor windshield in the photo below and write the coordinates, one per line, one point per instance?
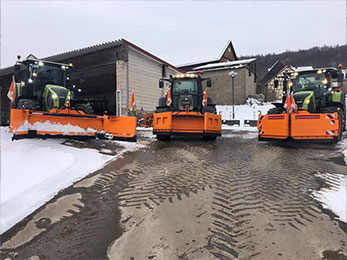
(309, 82)
(185, 87)
(49, 74)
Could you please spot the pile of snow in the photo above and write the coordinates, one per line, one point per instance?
(244, 112)
(48, 126)
(34, 170)
(334, 197)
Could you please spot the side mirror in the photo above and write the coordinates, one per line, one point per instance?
(276, 83)
(161, 84)
(209, 84)
(16, 71)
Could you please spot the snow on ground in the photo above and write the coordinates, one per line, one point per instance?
(343, 148)
(335, 196)
(34, 170)
(243, 112)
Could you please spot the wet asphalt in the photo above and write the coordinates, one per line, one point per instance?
(235, 198)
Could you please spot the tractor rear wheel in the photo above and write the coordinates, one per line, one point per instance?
(209, 138)
(30, 104)
(275, 110)
(163, 137)
(85, 107)
(209, 109)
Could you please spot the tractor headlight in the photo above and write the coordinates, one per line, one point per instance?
(307, 101)
(54, 96)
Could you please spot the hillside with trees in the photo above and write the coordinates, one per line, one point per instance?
(317, 57)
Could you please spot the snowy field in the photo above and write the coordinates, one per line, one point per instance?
(34, 170)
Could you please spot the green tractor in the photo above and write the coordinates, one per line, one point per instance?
(44, 85)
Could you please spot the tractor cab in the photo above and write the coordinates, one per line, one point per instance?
(42, 81)
(186, 92)
(314, 89)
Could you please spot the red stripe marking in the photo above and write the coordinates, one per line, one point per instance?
(307, 117)
(276, 117)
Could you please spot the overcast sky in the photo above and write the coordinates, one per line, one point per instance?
(255, 27)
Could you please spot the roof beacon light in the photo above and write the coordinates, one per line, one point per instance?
(70, 64)
(340, 65)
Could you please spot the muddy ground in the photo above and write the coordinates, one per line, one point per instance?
(235, 198)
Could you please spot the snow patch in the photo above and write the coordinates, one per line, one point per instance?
(48, 126)
(334, 197)
(34, 170)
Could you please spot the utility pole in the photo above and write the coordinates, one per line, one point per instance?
(232, 74)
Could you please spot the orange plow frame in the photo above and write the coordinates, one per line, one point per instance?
(187, 123)
(300, 125)
(71, 123)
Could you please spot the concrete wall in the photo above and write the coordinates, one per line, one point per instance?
(220, 91)
(144, 75)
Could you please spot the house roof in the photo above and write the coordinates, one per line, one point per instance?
(207, 52)
(274, 70)
(95, 48)
(225, 64)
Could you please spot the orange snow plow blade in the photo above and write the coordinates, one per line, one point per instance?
(314, 126)
(71, 123)
(187, 123)
(300, 125)
(273, 126)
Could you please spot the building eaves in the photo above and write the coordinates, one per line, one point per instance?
(225, 64)
(146, 53)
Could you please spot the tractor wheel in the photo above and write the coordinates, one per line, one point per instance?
(209, 138)
(163, 137)
(85, 107)
(209, 109)
(29, 104)
(162, 109)
(275, 110)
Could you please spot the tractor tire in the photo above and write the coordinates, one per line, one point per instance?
(85, 107)
(209, 109)
(276, 110)
(162, 109)
(163, 137)
(28, 104)
(209, 138)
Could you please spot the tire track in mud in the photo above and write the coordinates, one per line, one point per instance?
(242, 190)
(170, 174)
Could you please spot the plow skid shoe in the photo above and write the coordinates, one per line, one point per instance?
(70, 123)
(306, 126)
(273, 127)
(192, 123)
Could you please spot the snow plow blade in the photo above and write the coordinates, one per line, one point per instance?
(187, 123)
(299, 126)
(306, 126)
(70, 123)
